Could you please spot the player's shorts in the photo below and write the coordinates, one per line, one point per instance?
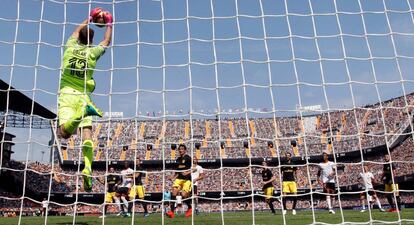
(123, 190)
(371, 192)
(195, 190)
(328, 186)
(391, 187)
(109, 196)
(289, 187)
(137, 190)
(184, 185)
(69, 102)
(269, 192)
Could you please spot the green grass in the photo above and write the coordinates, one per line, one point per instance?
(239, 218)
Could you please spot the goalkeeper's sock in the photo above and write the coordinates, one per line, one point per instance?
(284, 203)
(105, 209)
(328, 199)
(87, 150)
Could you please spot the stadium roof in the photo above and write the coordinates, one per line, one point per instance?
(21, 103)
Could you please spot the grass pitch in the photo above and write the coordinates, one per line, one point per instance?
(237, 218)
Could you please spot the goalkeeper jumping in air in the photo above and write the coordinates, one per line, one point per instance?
(75, 107)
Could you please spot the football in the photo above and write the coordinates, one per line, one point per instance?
(99, 20)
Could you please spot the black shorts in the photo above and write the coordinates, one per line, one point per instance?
(370, 192)
(328, 186)
(122, 190)
(195, 190)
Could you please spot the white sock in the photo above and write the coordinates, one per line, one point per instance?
(118, 203)
(125, 203)
(363, 206)
(379, 203)
(328, 199)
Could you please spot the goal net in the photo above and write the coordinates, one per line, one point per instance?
(243, 85)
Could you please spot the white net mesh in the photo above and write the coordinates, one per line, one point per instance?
(239, 82)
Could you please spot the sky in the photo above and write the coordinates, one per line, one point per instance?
(170, 57)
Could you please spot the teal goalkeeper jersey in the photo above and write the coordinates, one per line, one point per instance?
(79, 62)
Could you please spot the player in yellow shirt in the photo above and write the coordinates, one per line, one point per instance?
(112, 182)
(182, 181)
(138, 190)
(391, 188)
(75, 106)
(268, 187)
(289, 184)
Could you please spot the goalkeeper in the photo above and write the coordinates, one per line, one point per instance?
(75, 107)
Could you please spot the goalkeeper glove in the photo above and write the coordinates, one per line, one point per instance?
(94, 13)
(108, 18)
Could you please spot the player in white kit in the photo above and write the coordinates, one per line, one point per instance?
(326, 178)
(127, 175)
(367, 182)
(45, 204)
(197, 174)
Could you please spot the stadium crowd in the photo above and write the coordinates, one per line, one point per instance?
(39, 177)
(10, 205)
(339, 131)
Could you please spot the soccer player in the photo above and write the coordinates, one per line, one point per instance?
(123, 191)
(112, 182)
(75, 106)
(390, 186)
(197, 174)
(268, 187)
(367, 181)
(289, 185)
(45, 204)
(326, 178)
(167, 199)
(182, 181)
(138, 189)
